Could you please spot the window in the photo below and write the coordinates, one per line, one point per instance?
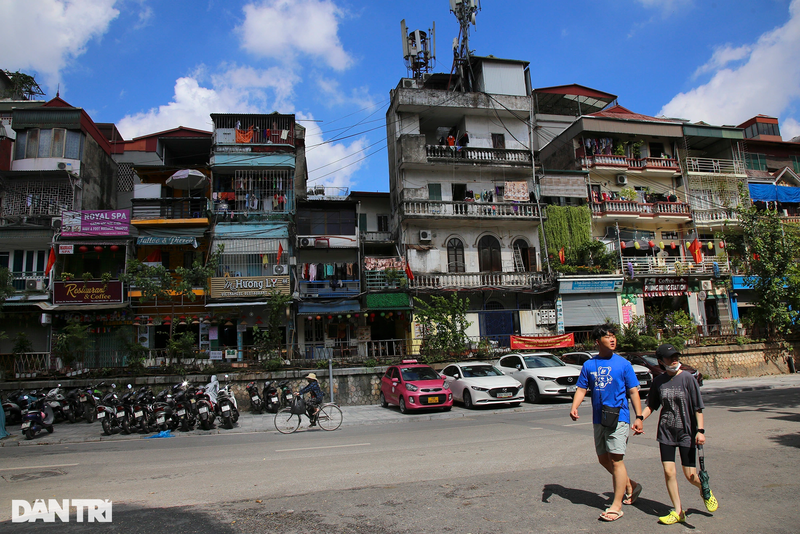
(326, 222)
(455, 256)
(383, 223)
(32, 144)
(768, 128)
(57, 143)
(362, 222)
(498, 141)
(522, 252)
(48, 143)
(756, 162)
(796, 164)
(434, 191)
(489, 254)
(459, 191)
(656, 150)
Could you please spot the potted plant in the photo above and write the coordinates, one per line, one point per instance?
(66, 277)
(87, 277)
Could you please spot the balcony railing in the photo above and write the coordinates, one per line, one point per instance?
(29, 280)
(330, 288)
(624, 162)
(715, 166)
(650, 266)
(450, 209)
(376, 236)
(714, 216)
(475, 280)
(478, 155)
(643, 209)
(378, 280)
(354, 350)
(169, 208)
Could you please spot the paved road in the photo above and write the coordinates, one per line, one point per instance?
(531, 470)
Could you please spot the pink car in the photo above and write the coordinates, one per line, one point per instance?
(414, 386)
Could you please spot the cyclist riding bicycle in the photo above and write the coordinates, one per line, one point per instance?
(316, 397)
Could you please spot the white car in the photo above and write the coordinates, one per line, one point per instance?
(577, 359)
(541, 374)
(478, 383)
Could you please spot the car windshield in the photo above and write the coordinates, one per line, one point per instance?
(650, 360)
(478, 371)
(412, 374)
(542, 361)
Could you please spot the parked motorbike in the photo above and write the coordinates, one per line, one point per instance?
(272, 397)
(76, 407)
(164, 417)
(38, 417)
(12, 408)
(256, 402)
(184, 406)
(90, 398)
(58, 402)
(287, 397)
(205, 409)
(111, 412)
(227, 408)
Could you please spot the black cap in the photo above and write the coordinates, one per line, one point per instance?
(666, 351)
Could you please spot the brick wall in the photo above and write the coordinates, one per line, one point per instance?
(734, 361)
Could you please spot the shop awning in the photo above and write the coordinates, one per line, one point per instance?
(165, 237)
(251, 246)
(772, 192)
(251, 231)
(340, 306)
(236, 304)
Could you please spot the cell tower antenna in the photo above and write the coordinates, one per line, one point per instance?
(419, 49)
(465, 11)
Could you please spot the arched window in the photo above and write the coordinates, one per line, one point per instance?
(524, 254)
(455, 256)
(489, 255)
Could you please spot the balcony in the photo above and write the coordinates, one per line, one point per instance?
(715, 166)
(376, 237)
(475, 280)
(379, 280)
(192, 211)
(469, 210)
(29, 281)
(652, 266)
(468, 154)
(641, 209)
(714, 217)
(631, 164)
(330, 289)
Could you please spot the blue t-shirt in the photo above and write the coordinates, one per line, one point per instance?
(609, 379)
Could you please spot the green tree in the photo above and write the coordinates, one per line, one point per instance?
(268, 341)
(71, 343)
(769, 248)
(181, 346)
(445, 326)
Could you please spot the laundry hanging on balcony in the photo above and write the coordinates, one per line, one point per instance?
(516, 191)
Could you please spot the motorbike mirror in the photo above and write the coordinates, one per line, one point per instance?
(130, 386)
(113, 385)
(226, 377)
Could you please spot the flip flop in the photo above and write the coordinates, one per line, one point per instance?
(611, 515)
(630, 499)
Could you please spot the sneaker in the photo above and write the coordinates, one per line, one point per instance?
(673, 517)
(711, 502)
(313, 423)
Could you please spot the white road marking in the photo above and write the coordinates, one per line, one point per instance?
(328, 447)
(36, 467)
(536, 428)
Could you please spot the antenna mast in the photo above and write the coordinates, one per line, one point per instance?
(465, 11)
(419, 49)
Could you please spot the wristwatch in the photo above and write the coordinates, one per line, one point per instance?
(640, 417)
(701, 430)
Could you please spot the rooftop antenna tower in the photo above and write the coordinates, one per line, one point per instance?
(465, 11)
(419, 49)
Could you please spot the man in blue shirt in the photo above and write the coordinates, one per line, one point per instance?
(611, 379)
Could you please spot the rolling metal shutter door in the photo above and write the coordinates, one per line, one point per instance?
(589, 309)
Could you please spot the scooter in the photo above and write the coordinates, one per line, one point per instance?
(205, 409)
(287, 397)
(38, 417)
(228, 410)
(272, 397)
(60, 405)
(111, 412)
(11, 407)
(256, 402)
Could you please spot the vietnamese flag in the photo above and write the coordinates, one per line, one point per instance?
(561, 256)
(280, 252)
(51, 260)
(696, 248)
(408, 272)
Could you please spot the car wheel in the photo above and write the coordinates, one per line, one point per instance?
(384, 404)
(532, 392)
(403, 408)
(467, 400)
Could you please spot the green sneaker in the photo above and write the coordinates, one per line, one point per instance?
(711, 502)
(673, 517)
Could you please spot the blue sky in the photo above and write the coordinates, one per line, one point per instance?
(150, 65)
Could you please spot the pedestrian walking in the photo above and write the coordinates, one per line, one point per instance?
(611, 379)
(681, 427)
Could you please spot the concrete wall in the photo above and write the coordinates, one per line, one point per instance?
(735, 361)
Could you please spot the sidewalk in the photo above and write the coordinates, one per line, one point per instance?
(364, 415)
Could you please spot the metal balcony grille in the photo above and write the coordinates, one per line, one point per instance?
(254, 191)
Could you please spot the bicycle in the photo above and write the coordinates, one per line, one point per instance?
(329, 417)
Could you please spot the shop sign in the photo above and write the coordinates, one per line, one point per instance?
(87, 292)
(66, 249)
(666, 287)
(542, 342)
(591, 286)
(248, 286)
(95, 223)
(215, 355)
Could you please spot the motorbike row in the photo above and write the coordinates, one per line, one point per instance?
(182, 406)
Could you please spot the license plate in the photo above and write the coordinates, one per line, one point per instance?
(642, 382)
(192, 401)
(255, 397)
(572, 389)
(275, 400)
(226, 408)
(100, 415)
(203, 410)
(66, 408)
(504, 395)
(26, 425)
(138, 414)
(181, 412)
(433, 400)
(55, 404)
(84, 399)
(160, 420)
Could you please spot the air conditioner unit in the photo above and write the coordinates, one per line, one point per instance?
(424, 235)
(705, 285)
(62, 166)
(34, 285)
(622, 179)
(278, 270)
(55, 222)
(306, 241)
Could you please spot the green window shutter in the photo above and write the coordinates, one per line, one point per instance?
(434, 191)
(362, 222)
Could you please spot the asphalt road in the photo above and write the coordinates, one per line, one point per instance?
(487, 472)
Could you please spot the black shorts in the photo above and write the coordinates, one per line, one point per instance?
(688, 454)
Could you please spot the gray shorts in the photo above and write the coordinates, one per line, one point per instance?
(611, 440)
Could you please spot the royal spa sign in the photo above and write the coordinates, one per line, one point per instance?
(248, 286)
(96, 223)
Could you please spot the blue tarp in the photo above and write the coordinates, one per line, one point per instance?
(251, 231)
(341, 306)
(771, 193)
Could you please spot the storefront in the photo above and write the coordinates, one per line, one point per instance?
(585, 302)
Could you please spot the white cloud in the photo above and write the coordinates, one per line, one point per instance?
(767, 81)
(283, 29)
(331, 164)
(666, 6)
(45, 35)
(790, 128)
(723, 55)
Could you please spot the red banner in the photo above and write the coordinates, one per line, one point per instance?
(543, 342)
